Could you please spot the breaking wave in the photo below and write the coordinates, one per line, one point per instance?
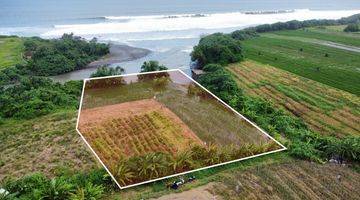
(166, 23)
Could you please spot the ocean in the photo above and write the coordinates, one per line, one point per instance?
(169, 28)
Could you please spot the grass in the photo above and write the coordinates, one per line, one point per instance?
(291, 179)
(332, 66)
(329, 33)
(324, 109)
(11, 49)
(48, 144)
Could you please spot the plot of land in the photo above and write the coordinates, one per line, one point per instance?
(311, 53)
(325, 109)
(10, 51)
(135, 128)
(155, 125)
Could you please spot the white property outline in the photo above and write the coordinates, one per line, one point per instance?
(182, 173)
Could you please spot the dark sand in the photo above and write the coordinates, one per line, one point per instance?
(120, 53)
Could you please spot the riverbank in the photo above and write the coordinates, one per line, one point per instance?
(118, 54)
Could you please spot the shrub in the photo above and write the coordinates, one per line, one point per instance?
(152, 66)
(243, 34)
(107, 71)
(57, 56)
(217, 48)
(90, 191)
(352, 28)
(36, 96)
(304, 151)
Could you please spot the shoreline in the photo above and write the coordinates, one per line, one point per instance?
(118, 53)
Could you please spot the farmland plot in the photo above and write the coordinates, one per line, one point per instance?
(166, 125)
(324, 109)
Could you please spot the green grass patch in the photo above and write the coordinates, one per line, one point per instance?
(335, 67)
(11, 49)
(324, 34)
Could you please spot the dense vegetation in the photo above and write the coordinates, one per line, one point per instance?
(152, 65)
(293, 25)
(57, 56)
(217, 48)
(154, 165)
(302, 142)
(24, 94)
(352, 28)
(78, 186)
(11, 49)
(107, 71)
(35, 96)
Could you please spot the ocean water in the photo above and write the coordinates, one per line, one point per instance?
(169, 28)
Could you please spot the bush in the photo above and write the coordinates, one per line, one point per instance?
(57, 56)
(107, 71)
(304, 151)
(352, 28)
(244, 34)
(90, 191)
(78, 186)
(36, 96)
(217, 48)
(152, 66)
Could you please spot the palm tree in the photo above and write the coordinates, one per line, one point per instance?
(182, 161)
(212, 154)
(123, 172)
(158, 164)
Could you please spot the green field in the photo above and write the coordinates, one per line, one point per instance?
(330, 33)
(11, 49)
(296, 52)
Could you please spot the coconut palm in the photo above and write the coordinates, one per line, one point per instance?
(212, 154)
(123, 172)
(181, 161)
(158, 164)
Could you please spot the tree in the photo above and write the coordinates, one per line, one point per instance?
(217, 48)
(352, 28)
(107, 71)
(123, 172)
(152, 66)
(182, 161)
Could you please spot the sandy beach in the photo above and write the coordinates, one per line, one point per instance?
(120, 53)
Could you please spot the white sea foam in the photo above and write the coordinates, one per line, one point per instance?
(160, 23)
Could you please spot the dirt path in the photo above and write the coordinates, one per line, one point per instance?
(200, 193)
(317, 41)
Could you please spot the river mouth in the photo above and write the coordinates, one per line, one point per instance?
(172, 54)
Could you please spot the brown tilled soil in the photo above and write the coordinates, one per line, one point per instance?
(291, 180)
(340, 118)
(123, 110)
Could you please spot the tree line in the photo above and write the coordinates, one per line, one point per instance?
(295, 24)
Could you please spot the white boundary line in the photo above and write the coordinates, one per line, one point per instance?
(182, 173)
